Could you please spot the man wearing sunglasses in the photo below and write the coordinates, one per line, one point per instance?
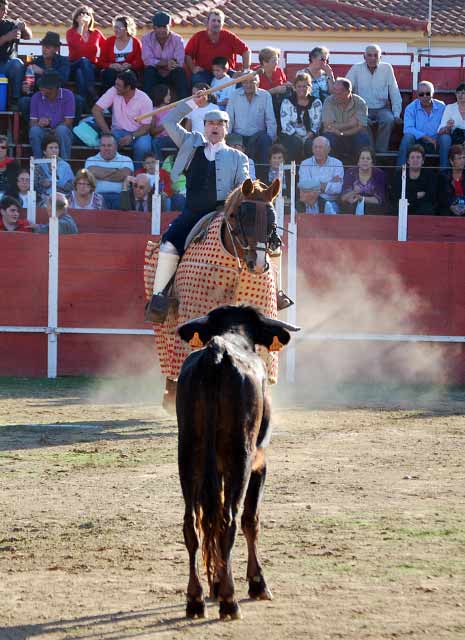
(422, 119)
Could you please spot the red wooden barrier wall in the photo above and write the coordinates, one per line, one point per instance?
(414, 287)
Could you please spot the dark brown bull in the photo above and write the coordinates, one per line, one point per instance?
(223, 414)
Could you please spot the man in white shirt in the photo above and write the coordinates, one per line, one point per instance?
(320, 179)
(375, 82)
(110, 169)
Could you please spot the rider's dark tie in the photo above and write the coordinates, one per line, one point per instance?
(140, 205)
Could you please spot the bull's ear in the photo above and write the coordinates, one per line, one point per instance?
(274, 334)
(196, 332)
(247, 187)
(273, 190)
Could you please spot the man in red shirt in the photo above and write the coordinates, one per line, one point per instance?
(211, 43)
(10, 212)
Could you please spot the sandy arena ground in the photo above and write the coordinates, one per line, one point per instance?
(363, 527)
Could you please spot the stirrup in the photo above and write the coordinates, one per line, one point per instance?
(157, 308)
(283, 301)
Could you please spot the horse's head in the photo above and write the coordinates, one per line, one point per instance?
(251, 220)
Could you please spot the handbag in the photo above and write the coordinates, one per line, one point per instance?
(87, 133)
(458, 136)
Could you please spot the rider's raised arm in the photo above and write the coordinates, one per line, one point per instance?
(172, 124)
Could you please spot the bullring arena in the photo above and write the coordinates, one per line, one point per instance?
(362, 522)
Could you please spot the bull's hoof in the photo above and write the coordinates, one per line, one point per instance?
(230, 611)
(258, 589)
(195, 608)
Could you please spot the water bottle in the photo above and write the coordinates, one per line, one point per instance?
(29, 78)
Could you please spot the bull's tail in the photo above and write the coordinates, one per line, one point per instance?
(211, 518)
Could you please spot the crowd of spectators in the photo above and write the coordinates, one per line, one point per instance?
(331, 126)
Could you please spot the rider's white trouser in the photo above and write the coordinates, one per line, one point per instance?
(168, 259)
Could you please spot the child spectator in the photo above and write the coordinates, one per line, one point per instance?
(10, 212)
(161, 95)
(178, 186)
(236, 141)
(204, 105)
(8, 169)
(277, 158)
(43, 175)
(220, 68)
(66, 223)
(171, 201)
(83, 195)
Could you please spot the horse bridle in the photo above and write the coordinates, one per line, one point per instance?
(238, 233)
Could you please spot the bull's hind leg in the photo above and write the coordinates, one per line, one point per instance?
(195, 607)
(250, 526)
(229, 608)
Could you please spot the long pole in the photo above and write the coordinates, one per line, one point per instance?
(292, 276)
(207, 92)
(52, 347)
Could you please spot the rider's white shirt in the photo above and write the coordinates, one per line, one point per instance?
(212, 149)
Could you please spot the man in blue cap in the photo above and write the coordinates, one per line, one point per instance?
(213, 170)
(163, 56)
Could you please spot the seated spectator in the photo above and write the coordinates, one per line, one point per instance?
(160, 139)
(43, 172)
(84, 44)
(10, 65)
(127, 103)
(375, 82)
(320, 180)
(83, 195)
(451, 185)
(273, 79)
(10, 215)
(345, 121)
(320, 72)
(195, 119)
(214, 41)
(251, 115)
(50, 60)
(422, 119)
(364, 187)
(220, 66)
(421, 184)
(163, 57)
(136, 194)
(277, 158)
(66, 223)
(110, 169)
(300, 117)
(52, 111)
(452, 127)
(9, 169)
(236, 141)
(21, 190)
(121, 52)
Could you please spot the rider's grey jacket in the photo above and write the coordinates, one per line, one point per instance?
(232, 166)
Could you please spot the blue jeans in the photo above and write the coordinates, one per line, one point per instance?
(408, 141)
(111, 200)
(347, 147)
(141, 145)
(62, 132)
(159, 143)
(13, 69)
(84, 72)
(445, 143)
(202, 76)
(258, 146)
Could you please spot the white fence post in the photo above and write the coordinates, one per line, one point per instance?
(53, 248)
(32, 198)
(279, 205)
(292, 276)
(403, 209)
(156, 203)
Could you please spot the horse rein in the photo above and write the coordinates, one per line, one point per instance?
(260, 231)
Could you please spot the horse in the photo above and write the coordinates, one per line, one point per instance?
(226, 264)
(223, 412)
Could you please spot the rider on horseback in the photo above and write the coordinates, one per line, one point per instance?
(213, 170)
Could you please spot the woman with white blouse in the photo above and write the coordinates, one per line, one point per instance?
(452, 127)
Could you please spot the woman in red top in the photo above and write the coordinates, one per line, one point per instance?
(84, 43)
(121, 51)
(273, 79)
(451, 186)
